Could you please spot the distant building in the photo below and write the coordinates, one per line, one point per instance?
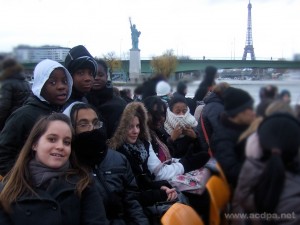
(28, 54)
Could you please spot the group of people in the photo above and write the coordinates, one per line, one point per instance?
(74, 152)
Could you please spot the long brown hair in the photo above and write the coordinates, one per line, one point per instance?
(17, 181)
(131, 110)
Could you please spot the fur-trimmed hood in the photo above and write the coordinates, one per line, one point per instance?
(131, 110)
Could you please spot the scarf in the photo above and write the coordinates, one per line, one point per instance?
(163, 151)
(41, 173)
(90, 146)
(172, 120)
(137, 151)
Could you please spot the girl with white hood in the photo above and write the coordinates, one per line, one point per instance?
(51, 89)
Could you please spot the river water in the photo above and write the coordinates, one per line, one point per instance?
(252, 87)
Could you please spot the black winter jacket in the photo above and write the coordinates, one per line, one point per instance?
(17, 129)
(228, 152)
(14, 91)
(150, 192)
(211, 118)
(116, 184)
(58, 205)
(76, 96)
(109, 106)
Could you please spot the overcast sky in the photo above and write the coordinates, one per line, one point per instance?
(195, 28)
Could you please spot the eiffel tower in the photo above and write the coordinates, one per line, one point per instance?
(249, 42)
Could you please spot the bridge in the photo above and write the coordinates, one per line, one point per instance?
(193, 65)
(199, 65)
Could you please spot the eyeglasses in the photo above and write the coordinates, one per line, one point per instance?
(86, 125)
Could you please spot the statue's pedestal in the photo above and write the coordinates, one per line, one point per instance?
(134, 65)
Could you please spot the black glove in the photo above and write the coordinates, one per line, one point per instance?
(192, 162)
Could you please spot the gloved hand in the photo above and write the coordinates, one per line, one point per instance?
(192, 161)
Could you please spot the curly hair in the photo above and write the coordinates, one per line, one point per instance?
(133, 109)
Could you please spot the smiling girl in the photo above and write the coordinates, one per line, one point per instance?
(46, 185)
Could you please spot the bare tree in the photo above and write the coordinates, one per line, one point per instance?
(113, 62)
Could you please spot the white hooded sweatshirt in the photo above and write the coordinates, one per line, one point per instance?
(42, 73)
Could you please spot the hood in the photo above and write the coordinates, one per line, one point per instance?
(67, 111)
(42, 73)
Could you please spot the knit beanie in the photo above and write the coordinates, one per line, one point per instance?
(163, 88)
(236, 101)
(176, 99)
(80, 58)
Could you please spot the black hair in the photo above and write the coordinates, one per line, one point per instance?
(176, 99)
(149, 86)
(124, 92)
(279, 137)
(150, 102)
(138, 90)
(284, 92)
(207, 81)
(102, 63)
(270, 91)
(75, 109)
(181, 87)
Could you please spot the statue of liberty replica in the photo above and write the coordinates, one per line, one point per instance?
(135, 58)
(135, 34)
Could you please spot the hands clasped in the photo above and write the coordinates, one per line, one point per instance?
(171, 193)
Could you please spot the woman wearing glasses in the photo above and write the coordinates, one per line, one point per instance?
(111, 170)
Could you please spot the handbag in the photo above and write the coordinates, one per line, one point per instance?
(195, 181)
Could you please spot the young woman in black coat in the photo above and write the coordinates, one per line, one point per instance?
(46, 185)
(111, 170)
